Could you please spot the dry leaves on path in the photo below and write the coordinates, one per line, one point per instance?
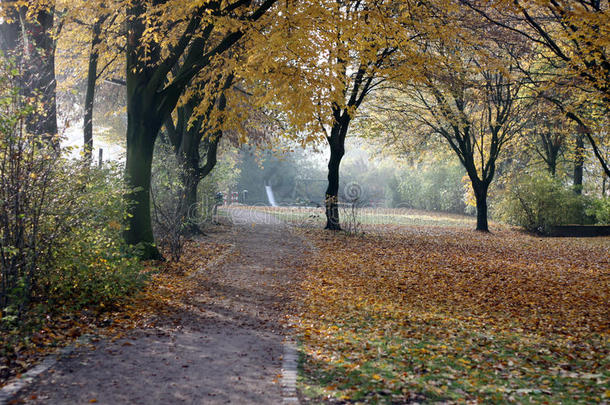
(164, 297)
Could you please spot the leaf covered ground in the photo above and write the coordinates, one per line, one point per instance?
(453, 315)
(163, 298)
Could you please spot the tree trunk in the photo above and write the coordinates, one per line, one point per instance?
(337, 150)
(552, 159)
(188, 208)
(552, 166)
(579, 162)
(192, 205)
(29, 39)
(480, 192)
(40, 73)
(90, 94)
(332, 191)
(140, 148)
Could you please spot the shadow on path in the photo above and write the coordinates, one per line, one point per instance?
(226, 349)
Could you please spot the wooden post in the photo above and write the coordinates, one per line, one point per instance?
(101, 157)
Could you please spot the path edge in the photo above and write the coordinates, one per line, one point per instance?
(290, 363)
(16, 385)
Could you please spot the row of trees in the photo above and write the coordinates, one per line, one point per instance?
(472, 74)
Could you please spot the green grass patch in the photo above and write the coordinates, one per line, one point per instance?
(434, 358)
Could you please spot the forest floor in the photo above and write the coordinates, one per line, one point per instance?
(429, 312)
(223, 341)
(438, 314)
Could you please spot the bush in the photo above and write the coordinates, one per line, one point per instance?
(539, 201)
(26, 167)
(600, 210)
(434, 188)
(60, 222)
(92, 266)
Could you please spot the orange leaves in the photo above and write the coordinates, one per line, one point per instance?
(452, 314)
(508, 276)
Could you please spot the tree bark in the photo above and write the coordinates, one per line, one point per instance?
(40, 73)
(552, 167)
(190, 177)
(579, 162)
(30, 41)
(90, 94)
(140, 148)
(332, 191)
(337, 150)
(480, 192)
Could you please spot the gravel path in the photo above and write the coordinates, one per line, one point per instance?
(227, 349)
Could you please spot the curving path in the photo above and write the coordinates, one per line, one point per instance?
(227, 349)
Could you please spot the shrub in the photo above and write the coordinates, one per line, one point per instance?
(60, 222)
(92, 266)
(26, 167)
(539, 201)
(600, 210)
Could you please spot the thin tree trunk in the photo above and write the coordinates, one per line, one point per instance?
(90, 94)
(188, 209)
(579, 162)
(552, 160)
(191, 205)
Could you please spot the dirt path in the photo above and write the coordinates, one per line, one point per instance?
(227, 349)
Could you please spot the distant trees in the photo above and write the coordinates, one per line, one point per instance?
(28, 34)
(572, 38)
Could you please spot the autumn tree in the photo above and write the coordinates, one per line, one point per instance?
(194, 33)
(470, 101)
(573, 38)
(547, 133)
(330, 56)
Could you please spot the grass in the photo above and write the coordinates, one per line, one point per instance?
(370, 217)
